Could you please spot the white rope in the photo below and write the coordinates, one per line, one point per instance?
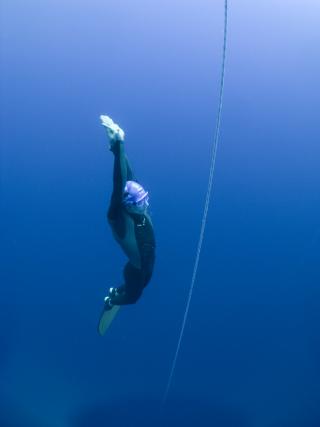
(206, 206)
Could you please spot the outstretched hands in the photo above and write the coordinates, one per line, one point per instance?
(115, 133)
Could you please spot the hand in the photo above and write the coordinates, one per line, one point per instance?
(115, 133)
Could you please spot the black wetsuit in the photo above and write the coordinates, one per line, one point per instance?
(134, 233)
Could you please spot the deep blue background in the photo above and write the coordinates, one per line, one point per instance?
(251, 351)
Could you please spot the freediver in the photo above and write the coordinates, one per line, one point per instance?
(130, 223)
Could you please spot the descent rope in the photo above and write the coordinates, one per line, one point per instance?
(206, 206)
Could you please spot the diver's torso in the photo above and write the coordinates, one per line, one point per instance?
(137, 238)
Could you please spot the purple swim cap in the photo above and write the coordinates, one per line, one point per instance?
(134, 193)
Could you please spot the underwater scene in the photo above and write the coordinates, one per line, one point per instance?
(160, 213)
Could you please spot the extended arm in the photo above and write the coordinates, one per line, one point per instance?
(120, 172)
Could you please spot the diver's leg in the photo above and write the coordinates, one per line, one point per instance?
(135, 279)
(130, 292)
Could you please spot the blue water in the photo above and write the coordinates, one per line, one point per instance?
(251, 350)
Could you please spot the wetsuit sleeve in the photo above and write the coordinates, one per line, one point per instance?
(122, 172)
(119, 172)
(119, 181)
